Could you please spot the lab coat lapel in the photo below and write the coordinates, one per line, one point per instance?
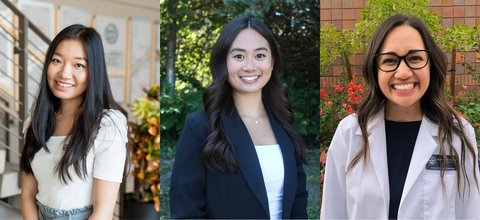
(425, 146)
(246, 157)
(378, 152)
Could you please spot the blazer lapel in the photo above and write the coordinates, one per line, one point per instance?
(425, 146)
(289, 164)
(246, 157)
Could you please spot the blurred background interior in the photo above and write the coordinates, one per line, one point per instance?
(130, 34)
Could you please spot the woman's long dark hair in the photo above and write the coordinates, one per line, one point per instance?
(434, 103)
(96, 98)
(217, 98)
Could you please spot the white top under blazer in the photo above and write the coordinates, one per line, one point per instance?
(105, 161)
(271, 162)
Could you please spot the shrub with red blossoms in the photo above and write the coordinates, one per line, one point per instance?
(467, 105)
(336, 104)
(323, 95)
(338, 88)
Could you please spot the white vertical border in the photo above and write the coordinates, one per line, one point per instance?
(155, 79)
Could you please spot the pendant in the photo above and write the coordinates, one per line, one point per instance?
(256, 122)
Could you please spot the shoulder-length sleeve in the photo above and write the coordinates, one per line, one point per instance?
(187, 187)
(110, 147)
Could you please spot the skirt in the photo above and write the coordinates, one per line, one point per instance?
(47, 213)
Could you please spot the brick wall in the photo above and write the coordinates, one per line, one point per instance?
(343, 14)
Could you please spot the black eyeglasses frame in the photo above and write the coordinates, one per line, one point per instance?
(400, 59)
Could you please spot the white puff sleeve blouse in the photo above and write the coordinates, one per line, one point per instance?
(105, 161)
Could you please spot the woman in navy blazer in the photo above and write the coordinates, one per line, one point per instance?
(241, 157)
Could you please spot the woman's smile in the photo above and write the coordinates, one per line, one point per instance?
(404, 88)
(249, 79)
(64, 85)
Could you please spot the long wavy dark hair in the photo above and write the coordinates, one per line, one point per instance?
(434, 103)
(96, 98)
(218, 100)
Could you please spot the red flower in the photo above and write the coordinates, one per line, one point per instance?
(464, 87)
(338, 87)
(328, 103)
(468, 59)
(458, 61)
(324, 94)
(323, 157)
(461, 115)
(350, 85)
(477, 124)
(349, 110)
(461, 92)
(355, 75)
(461, 56)
(321, 111)
(341, 117)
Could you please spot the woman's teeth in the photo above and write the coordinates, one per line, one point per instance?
(404, 87)
(64, 85)
(249, 78)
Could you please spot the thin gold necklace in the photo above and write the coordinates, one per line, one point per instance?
(254, 121)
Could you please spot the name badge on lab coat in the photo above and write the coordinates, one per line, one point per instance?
(434, 163)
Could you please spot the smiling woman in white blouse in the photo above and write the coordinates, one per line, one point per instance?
(75, 141)
(241, 157)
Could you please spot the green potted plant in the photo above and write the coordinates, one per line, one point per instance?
(145, 150)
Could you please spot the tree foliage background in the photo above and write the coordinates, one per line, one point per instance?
(188, 32)
(294, 23)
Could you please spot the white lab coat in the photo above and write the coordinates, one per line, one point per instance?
(364, 193)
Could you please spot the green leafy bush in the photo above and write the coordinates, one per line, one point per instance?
(305, 103)
(175, 105)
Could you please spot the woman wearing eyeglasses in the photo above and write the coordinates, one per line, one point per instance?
(405, 154)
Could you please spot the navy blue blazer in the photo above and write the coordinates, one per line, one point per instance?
(199, 192)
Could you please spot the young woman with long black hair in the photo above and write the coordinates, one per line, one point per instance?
(241, 157)
(406, 153)
(75, 141)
